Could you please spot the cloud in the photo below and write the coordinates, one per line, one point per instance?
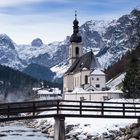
(10, 3)
(52, 20)
(23, 29)
(7, 3)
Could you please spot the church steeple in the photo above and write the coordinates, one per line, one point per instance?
(75, 37)
(76, 46)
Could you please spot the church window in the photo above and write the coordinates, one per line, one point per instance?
(86, 79)
(97, 79)
(97, 86)
(77, 51)
(81, 64)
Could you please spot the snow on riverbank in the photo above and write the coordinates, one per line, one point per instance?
(83, 128)
(96, 127)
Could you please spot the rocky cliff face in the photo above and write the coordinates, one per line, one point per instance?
(119, 38)
(8, 55)
(37, 42)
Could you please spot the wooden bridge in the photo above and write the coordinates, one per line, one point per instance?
(66, 108)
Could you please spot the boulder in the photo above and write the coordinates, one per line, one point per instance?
(136, 132)
(134, 125)
(133, 139)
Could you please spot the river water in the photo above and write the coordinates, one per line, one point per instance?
(17, 131)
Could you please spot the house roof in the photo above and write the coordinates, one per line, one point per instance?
(47, 92)
(79, 90)
(86, 61)
(97, 72)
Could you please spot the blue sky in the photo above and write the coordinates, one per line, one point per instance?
(51, 20)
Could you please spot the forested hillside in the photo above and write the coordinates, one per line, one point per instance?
(15, 85)
(122, 65)
(39, 72)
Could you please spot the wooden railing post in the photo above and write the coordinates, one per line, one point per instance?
(8, 115)
(57, 107)
(33, 108)
(102, 108)
(123, 109)
(80, 107)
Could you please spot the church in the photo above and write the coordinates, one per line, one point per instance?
(84, 71)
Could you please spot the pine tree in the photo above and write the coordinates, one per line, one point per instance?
(131, 83)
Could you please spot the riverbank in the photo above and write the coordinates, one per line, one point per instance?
(86, 129)
(76, 129)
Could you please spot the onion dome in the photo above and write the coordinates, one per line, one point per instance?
(76, 37)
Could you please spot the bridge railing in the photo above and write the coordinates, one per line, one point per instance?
(42, 109)
(100, 109)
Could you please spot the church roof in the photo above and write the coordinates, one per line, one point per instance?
(86, 61)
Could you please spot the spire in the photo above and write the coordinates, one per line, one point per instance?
(75, 36)
(75, 14)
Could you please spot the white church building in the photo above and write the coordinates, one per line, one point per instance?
(84, 72)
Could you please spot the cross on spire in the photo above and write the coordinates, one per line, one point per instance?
(75, 14)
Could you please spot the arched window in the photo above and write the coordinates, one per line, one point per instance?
(86, 79)
(77, 51)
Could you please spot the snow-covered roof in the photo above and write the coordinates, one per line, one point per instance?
(97, 72)
(79, 90)
(45, 91)
(87, 60)
(113, 83)
(84, 68)
(36, 88)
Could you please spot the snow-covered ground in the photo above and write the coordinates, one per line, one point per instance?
(96, 126)
(84, 127)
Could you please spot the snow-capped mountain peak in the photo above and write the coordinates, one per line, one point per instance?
(6, 41)
(37, 42)
(110, 39)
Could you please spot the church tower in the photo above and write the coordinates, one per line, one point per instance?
(76, 46)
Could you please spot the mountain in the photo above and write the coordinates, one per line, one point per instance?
(46, 55)
(116, 72)
(56, 53)
(8, 55)
(122, 65)
(39, 72)
(109, 40)
(119, 38)
(37, 42)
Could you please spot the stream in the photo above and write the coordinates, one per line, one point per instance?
(18, 131)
